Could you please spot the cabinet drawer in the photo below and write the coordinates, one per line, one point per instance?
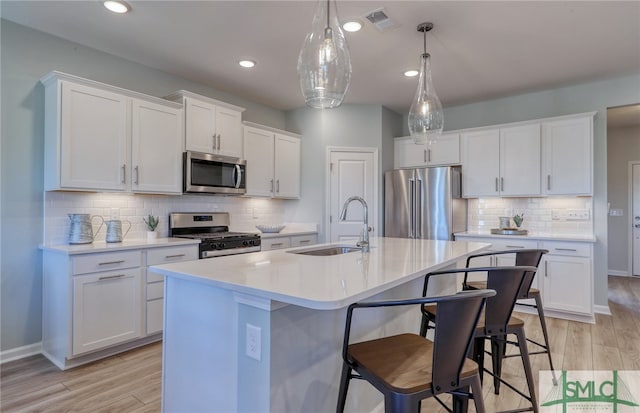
(507, 244)
(302, 240)
(106, 261)
(568, 248)
(157, 256)
(275, 243)
(153, 277)
(155, 291)
(154, 316)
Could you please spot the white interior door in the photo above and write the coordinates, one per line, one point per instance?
(352, 172)
(635, 213)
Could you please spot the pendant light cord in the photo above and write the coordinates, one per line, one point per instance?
(424, 32)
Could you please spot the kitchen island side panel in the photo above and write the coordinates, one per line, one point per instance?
(200, 348)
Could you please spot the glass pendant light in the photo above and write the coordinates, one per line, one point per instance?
(425, 116)
(324, 65)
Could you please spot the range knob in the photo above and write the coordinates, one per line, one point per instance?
(245, 243)
(221, 245)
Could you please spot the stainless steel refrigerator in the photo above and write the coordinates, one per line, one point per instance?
(424, 203)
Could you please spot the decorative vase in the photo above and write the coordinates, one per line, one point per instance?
(152, 235)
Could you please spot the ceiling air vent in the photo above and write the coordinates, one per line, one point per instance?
(381, 21)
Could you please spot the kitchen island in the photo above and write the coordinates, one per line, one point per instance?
(263, 332)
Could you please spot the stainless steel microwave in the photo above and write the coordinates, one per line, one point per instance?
(213, 174)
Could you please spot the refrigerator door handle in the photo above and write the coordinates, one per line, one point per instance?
(418, 208)
(412, 207)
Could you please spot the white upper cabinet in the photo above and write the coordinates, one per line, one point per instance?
(273, 162)
(501, 162)
(444, 151)
(156, 154)
(568, 155)
(103, 138)
(91, 139)
(480, 156)
(211, 126)
(520, 160)
(259, 154)
(287, 166)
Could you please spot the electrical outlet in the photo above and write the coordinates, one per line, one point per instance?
(254, 342)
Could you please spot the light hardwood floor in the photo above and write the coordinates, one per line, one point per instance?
(130, 382)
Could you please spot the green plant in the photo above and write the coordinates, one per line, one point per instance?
(517, 219)
(152, 222)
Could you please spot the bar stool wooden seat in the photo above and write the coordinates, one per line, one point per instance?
(408, 368)
(495, 323)
(531, 257)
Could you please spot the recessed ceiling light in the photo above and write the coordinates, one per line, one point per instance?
(411, 73)
(247, 63)
(117, 6)
(352, 26)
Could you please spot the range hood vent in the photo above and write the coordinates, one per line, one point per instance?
(381, 20)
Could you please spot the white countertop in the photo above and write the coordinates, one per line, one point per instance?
(324, 283)
(533, 235)
(101, 246)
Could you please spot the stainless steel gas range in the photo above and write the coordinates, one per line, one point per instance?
(212, 229)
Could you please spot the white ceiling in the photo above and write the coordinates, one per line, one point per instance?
(480, 50)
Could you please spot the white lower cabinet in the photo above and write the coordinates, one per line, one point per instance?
(567, 278)
(98, 304)
(107, 309)
(564, 277)
(276, 243)
(155, 283)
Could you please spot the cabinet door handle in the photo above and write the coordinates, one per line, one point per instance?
(277, 244)
(174, 256)
(277, 185)
(272, 185)
(110, 277)
(546, 269)
(219, 139)
(111, 262)
(213, 139)
(496, 184)
(425, 156)
(429, 152)
(514, 246)
(124, 173)
(136, 173)
(305, 241)
(502, 184)
(566, 249)
(548, 182)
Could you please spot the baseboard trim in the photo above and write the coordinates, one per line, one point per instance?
(20, 352)
(619, 273)
(602, 309)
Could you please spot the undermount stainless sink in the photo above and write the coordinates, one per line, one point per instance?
(328, 250)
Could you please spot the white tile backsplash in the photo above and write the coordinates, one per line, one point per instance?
(540, 214)
(245, 213)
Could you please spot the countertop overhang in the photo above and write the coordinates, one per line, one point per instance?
(324, 283)
(532, 235)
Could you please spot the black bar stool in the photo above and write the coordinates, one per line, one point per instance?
(496, 323)
(530, 257)
(407, 368)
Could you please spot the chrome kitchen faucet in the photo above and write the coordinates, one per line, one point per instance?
(364, 242)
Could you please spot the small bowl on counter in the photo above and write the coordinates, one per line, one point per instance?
(271, 228)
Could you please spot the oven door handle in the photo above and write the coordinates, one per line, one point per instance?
(237, 172)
